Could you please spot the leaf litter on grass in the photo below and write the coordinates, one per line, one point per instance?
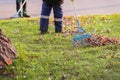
(58, 58)
(70, 26)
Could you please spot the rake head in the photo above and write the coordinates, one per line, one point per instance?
(79, 39)
(80, 36)
(15, 16)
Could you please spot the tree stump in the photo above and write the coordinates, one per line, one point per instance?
(7, 51)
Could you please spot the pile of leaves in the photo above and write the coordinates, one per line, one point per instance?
(7, 51)
(97, 40)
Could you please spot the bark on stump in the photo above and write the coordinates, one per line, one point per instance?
(7, 51)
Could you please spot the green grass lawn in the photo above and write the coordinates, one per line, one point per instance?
(52, 56)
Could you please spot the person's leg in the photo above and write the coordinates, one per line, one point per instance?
(58, 14)
(44, 20)
(18, 7)
(25, 9)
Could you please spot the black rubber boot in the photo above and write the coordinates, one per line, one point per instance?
(24, 10)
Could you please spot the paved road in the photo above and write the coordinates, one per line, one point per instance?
(84, 7)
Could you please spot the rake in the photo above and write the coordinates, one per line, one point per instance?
(80, 33)
(17, 14)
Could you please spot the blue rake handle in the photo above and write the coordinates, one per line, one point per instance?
(78, 22)
(80, 28)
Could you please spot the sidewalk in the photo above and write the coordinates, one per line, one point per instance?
(84, 7)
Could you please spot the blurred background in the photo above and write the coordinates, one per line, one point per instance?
(83, 7)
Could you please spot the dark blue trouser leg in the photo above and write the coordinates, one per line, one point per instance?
(44, 20)
(24, 7)
(58, 14)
